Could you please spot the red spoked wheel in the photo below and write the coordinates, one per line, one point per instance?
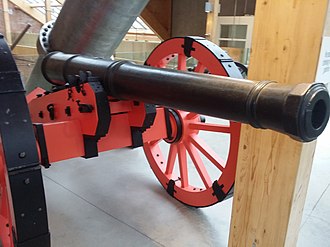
(196, 164)
(6, 225)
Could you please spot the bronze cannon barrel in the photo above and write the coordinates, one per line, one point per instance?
(301, 111)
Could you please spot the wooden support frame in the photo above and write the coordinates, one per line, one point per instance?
(35, 14)
(273, 170)
(60, 1)
(48, 9)
(157, 15)
(212, 30)
(37, 5)
(6, 19)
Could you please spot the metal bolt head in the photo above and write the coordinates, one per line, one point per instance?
(22, 155)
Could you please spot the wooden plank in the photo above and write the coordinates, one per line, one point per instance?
(188, 18)
(273, 170)
(35, 14)
(48, 9)
(212, 30)
(6, 21)
(25, 50)
(157, 15)
(60, 1)
(39, 5)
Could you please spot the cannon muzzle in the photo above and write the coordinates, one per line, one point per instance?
(301, 111)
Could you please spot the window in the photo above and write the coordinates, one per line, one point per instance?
(235, 33)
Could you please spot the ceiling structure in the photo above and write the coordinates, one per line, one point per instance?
(47, 10)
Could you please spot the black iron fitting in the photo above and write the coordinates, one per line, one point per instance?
(51, 110)
(188, 46)
(84, 108)
(21, 158)
(218, 192)
(41, 139)
(170, 188)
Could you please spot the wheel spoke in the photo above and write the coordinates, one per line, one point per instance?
(171, 159)
(153, 143)
(182, 63)
(162, 63)
(191, 115)
(199, 164)
(208, 152)
(199, 68)
(183, 165)
(210, 127)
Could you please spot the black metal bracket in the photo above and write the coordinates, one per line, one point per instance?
(170, 187)
(25, 188)
(40, 136)
(217, 191)
(137, 140)
(168, 124)
(188, 45)
(136, 132)
(104, 117)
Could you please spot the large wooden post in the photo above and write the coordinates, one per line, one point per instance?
(273, 170)
(212, 33)
(48, 9)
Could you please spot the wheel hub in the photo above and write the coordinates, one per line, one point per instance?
(174, 126)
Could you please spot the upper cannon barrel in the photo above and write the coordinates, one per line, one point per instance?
(301, 111)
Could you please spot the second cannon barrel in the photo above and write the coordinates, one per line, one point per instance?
(301, 111)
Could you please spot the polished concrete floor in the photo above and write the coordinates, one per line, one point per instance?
(115, 200)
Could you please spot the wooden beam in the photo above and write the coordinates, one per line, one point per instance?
(25, 51)
(188, 18)
(61, 1)
(20, 36)
(6, 19)
(35, 14)
(48, 9)
(141, 36)
(40, 5)
(157, 15)
(212, 30)
(273, 170)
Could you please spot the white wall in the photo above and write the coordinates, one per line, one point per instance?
(327, 23)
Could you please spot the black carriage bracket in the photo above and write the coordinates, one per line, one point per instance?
(21, 158)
